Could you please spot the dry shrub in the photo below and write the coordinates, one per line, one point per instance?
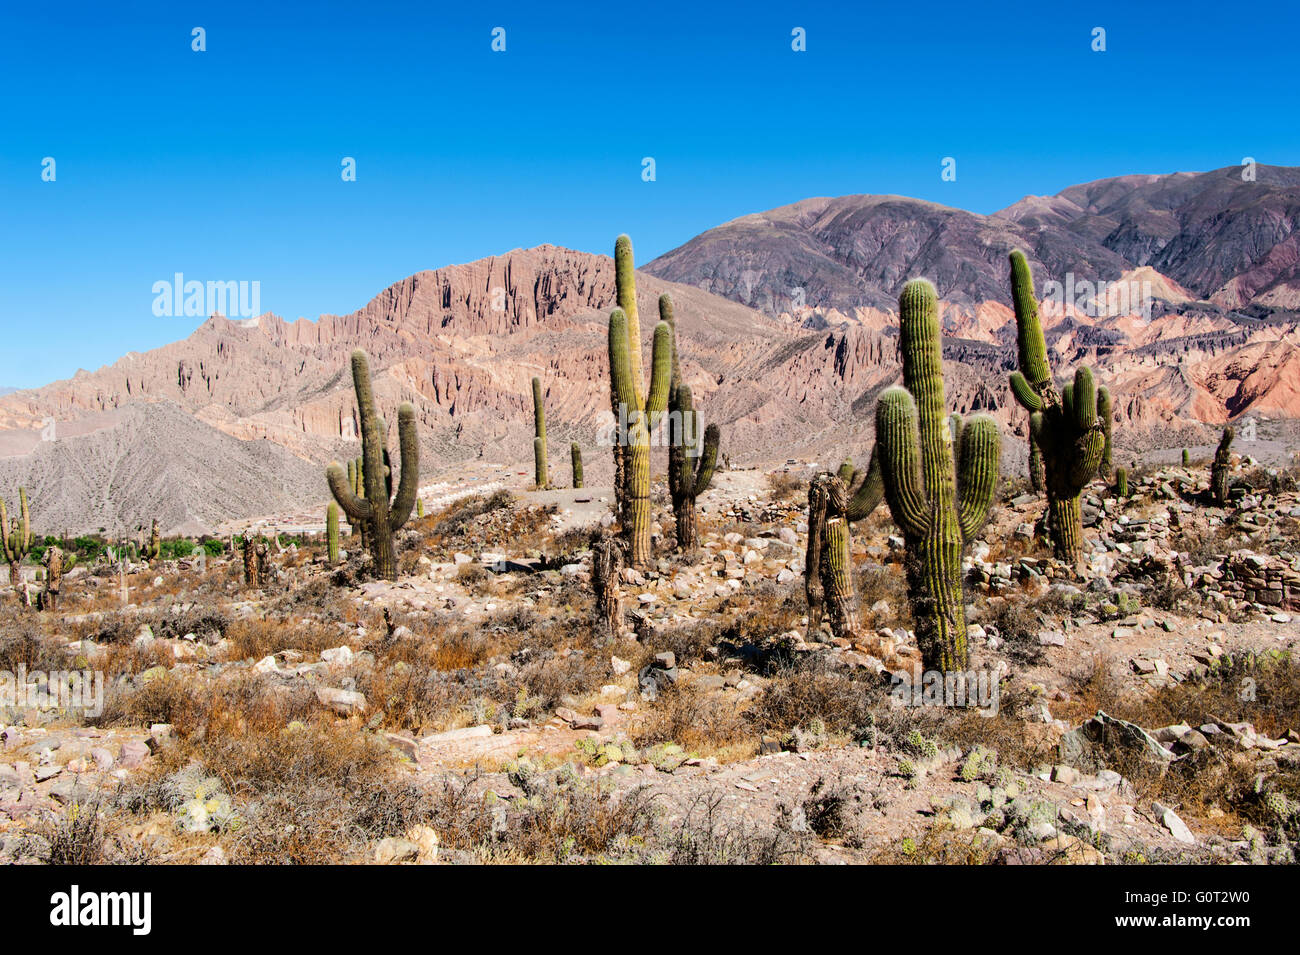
(938, 845)
(709, 835)
(786, 485)
(695, 719)
(165, 698)
(799, 693)
(256, 639)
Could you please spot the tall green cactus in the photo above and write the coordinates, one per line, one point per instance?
(575, 457)
(637, 415)
(937, 505)
(374, 512)
(541, 473)
(690, 463)
(15, 537)
(1067, 425)
(332, 532)
(1219, 469)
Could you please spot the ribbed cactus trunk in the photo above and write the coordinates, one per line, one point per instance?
(380, 517)
(332, 532)
(575, 457)
(640, 413)
(1070, 427)
(541, 472)
(1121, 482)
(828, 499)
(1219, 469)
(915, 439)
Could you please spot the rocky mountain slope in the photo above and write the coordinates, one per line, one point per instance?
(463, 342)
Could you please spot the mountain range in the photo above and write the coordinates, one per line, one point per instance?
(787, 331)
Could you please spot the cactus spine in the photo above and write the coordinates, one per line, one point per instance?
(379, 517)
(540, 470)
(15, 537)
(1065, 425)
(690, 463)
(575, 456)
(332, 531)
(632, 466)
(1219, 470)
(937, 505)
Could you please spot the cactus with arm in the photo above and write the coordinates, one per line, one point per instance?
(15, 537)
(939, 504)
(379, 516)
(1067, 425)
(690, 463)
(640, 408)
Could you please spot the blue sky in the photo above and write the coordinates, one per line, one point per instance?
(225, 164)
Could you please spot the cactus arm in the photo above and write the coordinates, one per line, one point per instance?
(708, 460)
(896, 437)
(619, 365)
(408, 486)
(5, 546)
(977, 473)
(869, 493)
(1030, 345)
(846, 472)
(661, 366)
(955, 425)
(625, 291)
(356, 508)
(1024, 393)
(1084, 398)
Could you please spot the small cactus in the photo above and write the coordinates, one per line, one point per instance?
(939, 489)
(575, 457)
(1121, 482)
(1219, 470)
(332, 531)
(419, 508)
(153, 550)
(1187, 458)
(378, 515)
(541, 473)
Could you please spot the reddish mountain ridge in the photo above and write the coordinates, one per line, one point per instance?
(239, 418)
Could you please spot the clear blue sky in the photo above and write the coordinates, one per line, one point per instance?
(225, 165)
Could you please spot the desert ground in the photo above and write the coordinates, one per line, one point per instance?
(476, 710)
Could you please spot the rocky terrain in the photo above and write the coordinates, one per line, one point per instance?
(471, 710)
(463, 342)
